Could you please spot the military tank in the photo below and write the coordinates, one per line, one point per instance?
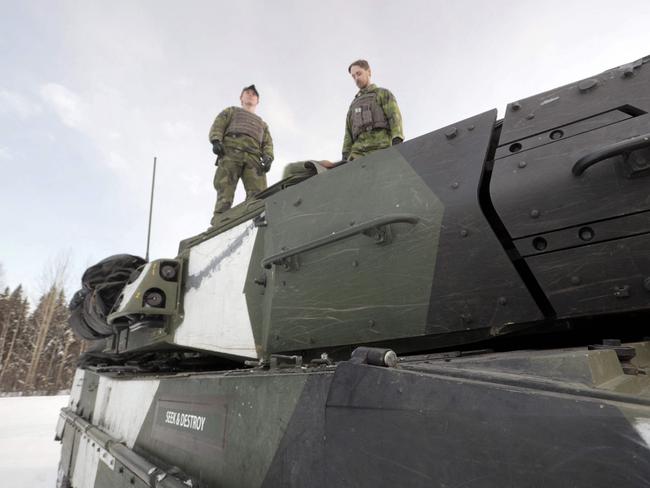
(468, 308)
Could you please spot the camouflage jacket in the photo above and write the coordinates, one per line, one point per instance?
(377, 138)
(239, 143)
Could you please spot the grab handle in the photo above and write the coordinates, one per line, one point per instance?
(337, 236)
(618, 148)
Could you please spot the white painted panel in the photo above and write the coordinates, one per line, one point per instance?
(216, 316)
(77, 385)
(85, 467)
(121, 407)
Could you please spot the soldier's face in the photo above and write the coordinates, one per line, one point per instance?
(360, 76)
(249, 99)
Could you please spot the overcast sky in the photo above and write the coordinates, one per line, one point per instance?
(91, 91)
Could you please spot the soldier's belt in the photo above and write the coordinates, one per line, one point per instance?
(257, 154)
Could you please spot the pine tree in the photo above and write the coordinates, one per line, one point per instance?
(15, 310)
(4, 326)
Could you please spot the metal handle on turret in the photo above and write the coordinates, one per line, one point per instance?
(616, 149)
(337, 236)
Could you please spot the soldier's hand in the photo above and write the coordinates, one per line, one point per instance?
(397, 140)
(217, 148)
(266, 163)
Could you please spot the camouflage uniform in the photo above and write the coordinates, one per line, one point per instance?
(241, 160)
(372, 139)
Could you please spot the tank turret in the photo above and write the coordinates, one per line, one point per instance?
(478, 230)
(468, 308)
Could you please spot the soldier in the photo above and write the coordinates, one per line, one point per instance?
(244, 149)
(374, 120)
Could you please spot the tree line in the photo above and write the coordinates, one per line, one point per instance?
(38, 351)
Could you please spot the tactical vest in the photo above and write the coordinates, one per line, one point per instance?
(244, 122)
(367, 114)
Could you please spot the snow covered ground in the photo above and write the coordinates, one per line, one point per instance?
(29, 456)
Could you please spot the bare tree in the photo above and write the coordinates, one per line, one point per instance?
(55, 275)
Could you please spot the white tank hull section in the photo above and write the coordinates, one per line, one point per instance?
(215, 311)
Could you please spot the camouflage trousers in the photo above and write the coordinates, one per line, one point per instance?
(229, 171)
(368, 142)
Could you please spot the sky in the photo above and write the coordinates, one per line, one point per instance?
(91, 92)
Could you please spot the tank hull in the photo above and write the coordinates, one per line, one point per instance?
(567, 417)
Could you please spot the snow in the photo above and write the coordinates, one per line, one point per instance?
(29, 456)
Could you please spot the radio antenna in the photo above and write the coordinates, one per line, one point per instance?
(153, 183)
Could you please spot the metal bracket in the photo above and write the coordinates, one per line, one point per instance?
(381, 235)
(260, 220)
(278, 361)
(637, 164)
(290, 263)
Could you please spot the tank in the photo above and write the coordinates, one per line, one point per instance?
(469, 308)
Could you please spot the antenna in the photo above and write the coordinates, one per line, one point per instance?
(153, 183)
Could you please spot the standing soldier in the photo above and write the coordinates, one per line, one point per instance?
(244, 149)
(374, 120)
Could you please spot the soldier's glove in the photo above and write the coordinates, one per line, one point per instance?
(397, 140)
(266, 163)
(217, 148)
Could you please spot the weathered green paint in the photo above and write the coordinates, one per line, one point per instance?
(304, 427)
(247, 441)
(379, 290)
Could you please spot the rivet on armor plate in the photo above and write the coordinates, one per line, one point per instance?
(455, 185)
(503, 300)
(530, 116)
(586, 85)
(516, 106)
(534, 213)
(522, 164)
(451, 133)
(586, 233)
(575, 280)
(540, 243)
(464, 233)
